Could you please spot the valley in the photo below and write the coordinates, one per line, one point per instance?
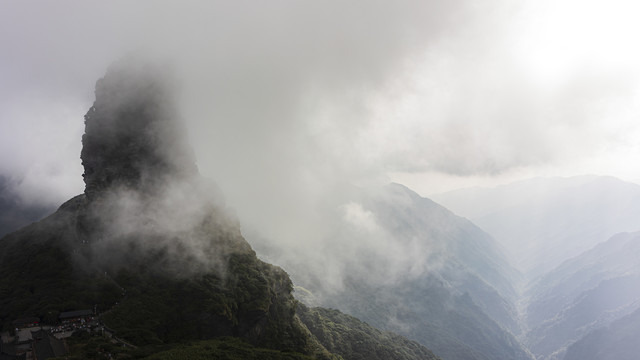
(574, 240)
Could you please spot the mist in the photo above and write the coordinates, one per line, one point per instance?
(144, 200)
(298, 115)
(291, 104)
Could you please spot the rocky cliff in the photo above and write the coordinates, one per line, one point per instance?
(150, 244)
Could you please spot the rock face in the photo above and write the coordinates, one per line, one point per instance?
(149, 234)
(143, 193)
(132, 138)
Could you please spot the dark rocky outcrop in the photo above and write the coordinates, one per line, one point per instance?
(131, 135)
(150, 243)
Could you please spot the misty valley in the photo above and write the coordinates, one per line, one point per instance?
(152, 262)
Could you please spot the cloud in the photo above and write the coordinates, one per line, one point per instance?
(257, 77)
(289, 103)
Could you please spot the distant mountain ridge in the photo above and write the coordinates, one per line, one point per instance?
(576, 239)
(542, 222)
(618, 341)
(584, 294)
(14, 213)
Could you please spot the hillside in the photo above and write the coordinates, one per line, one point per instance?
(410, 266)
(142, 303)
(351, 338)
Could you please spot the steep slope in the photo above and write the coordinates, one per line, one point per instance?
(410, 266)
(408, 216)
(612, 259)
(618, 341)
(544, 221)
(42, 277)
(351, 338)
(431, 312)
(584, 294)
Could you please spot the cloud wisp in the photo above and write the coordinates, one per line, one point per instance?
(289, 104)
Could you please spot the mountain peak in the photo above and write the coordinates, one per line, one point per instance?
(133, 138)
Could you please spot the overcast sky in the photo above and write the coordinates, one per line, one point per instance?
(288, 100)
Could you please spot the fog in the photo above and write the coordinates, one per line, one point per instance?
(144, 201)
(290, 104)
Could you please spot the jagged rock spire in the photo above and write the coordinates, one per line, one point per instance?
(132, 135)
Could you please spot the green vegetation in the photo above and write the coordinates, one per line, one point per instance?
(84, 346)
(456, 327)
(252, 301)
(225, 349)
(45, 272)
(353, 339)
(38, 278)
(250, 304)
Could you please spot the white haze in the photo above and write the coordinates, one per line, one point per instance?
(289, 103)
(187, 221)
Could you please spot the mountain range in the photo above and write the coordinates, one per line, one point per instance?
(544, 221)
(584, 294)
(575, 238)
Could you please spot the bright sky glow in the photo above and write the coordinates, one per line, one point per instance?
(435, 95)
